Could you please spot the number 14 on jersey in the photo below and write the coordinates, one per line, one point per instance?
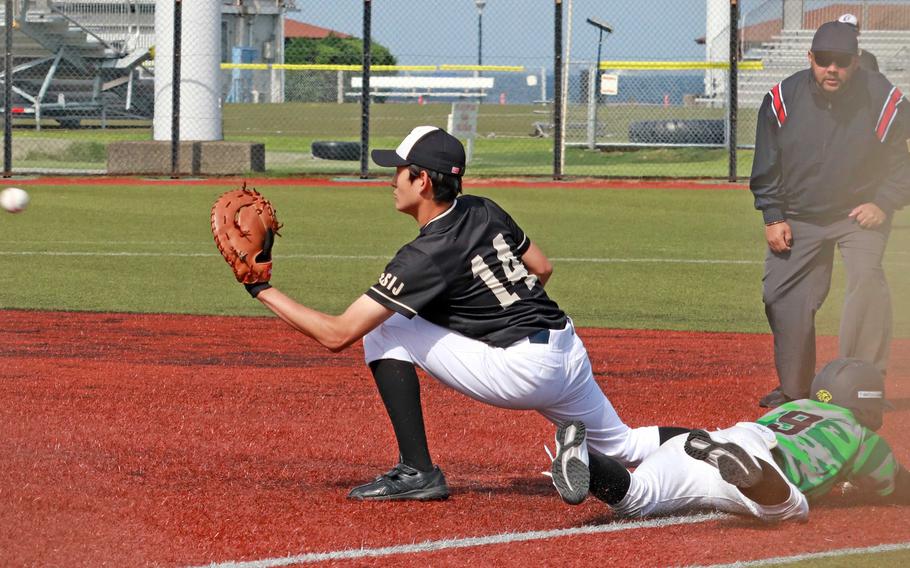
(512, 267)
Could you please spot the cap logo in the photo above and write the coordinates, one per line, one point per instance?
(823, 396)
(869, 394)
(848, 19)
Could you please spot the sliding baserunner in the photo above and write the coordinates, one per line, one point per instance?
(774, 467)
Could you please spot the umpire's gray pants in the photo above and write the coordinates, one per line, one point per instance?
(796, 283)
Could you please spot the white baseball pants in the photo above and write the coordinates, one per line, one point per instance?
(553, 378)
(669, 481)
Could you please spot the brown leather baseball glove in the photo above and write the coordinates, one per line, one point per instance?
(244, 225)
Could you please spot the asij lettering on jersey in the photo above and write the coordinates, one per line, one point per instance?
(389, 281)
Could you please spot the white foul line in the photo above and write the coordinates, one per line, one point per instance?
(361, 257)
(182, 254)
(448, 544)
(813, 555)
(592, 260)
(661, 260)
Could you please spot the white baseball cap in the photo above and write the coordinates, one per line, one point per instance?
(426, 146)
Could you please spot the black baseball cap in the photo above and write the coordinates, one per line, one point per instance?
(851, 383)
(426, 146)
(837, 37)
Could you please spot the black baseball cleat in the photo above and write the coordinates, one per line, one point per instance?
(569, 469)
(402, 483)
(735, 464)
(774, 399)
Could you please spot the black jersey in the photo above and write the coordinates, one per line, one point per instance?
(464, 272)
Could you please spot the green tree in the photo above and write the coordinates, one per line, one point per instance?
(321, 86)
(333, 50)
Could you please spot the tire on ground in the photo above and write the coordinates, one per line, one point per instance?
(333, 150)
(694, 131)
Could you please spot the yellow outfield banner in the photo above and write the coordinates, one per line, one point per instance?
(288, 66)
(359, 68)
(676, 65)
(604, 65)
(491, 68)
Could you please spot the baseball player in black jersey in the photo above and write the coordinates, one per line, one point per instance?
(465, 302)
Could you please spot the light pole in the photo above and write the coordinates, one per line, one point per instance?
(595, 95)
(603, 27)
(480, 6)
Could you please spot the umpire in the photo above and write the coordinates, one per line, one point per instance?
(831, 167)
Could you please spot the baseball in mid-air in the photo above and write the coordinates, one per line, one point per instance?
(14, 199)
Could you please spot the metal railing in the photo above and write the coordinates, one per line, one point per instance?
(127, 24)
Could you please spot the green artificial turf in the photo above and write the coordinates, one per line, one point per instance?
(504, 145)
(651, 258)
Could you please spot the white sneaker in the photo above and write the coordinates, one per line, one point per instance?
(569, 469)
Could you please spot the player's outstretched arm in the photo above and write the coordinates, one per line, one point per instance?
(333, 332)
(537, 263)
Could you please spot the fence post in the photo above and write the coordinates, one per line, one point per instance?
(557, 91)
(592, 107)
(175, 91)
(543, 85)
(365, 92)
(340, 84)
(732, 87)
(8, 94)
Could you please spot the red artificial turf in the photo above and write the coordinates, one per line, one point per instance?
(165, 440)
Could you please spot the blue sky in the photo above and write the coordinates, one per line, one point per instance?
(518, 32)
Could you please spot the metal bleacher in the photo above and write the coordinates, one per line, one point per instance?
(76, 60)
(786, 53)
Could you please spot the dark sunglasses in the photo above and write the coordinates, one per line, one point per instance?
(826, 58)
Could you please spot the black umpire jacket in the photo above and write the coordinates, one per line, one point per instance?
(818, 156)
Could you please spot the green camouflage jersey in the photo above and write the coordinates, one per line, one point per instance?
(821, 444)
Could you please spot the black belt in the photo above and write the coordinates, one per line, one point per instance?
(542, 336)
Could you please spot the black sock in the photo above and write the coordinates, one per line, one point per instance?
(400, 391)
(667, 432)
(610, 479)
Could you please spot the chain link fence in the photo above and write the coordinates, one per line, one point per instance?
(639, 97)
(653, 104)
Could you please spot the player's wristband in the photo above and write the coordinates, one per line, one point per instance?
(778, 222)
(255, 289)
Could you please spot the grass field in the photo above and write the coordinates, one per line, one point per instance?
(645, 259)
(504, 145)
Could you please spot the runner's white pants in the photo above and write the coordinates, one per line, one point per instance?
(555, 378)
(669, 481)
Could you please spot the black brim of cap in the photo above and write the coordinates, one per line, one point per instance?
(388, 158)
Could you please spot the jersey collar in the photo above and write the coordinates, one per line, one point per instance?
(441, 215)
